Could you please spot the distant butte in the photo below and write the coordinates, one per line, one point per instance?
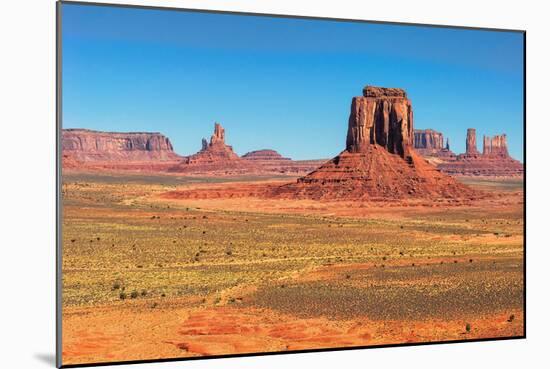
(214, 156)
(379, 161)
(493, 161)
(265, 154)
(429, 143)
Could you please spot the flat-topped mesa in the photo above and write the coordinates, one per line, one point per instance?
(87, 145)
(471, 142)
(429, 143)
(264, 155)
(428, 139)
(382, 116)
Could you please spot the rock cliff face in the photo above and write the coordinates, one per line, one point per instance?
(379, 162)
(471, 142)
(85, 149)
(94, 145)
(382, 116)
(428, 139)
(499, 146)
(429, 144)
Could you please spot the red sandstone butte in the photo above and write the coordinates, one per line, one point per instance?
(379, 162)
(215, 156)
(471, 142)
(87, 149)
(494, 161)
(429, 143)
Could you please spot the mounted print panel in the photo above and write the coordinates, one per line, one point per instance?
(240, 184)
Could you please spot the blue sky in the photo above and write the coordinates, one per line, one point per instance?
(280, 83)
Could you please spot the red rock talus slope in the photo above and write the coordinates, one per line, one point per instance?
(494, 161)
(379, 161)
(214, 157)
(87, 149)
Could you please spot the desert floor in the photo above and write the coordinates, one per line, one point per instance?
(149, 274)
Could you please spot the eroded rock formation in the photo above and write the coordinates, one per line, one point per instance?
(214, 156)
(270, 161)
(379, 161)
(87, 149)
(428, 139)
(381, 116)
(88, 145)
(471, 142)
(499, 146)
(264, 155)
(429, 143)
(494, 161)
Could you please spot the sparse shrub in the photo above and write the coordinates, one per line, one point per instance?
(98, 238)
(468, 327)
(122, 296)
(511, 318)
(134, 294)
(348, 276)
(471, 260)
(154, 305)
(73, 240)
(143, 293)
(116, 286)
(163, 295)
